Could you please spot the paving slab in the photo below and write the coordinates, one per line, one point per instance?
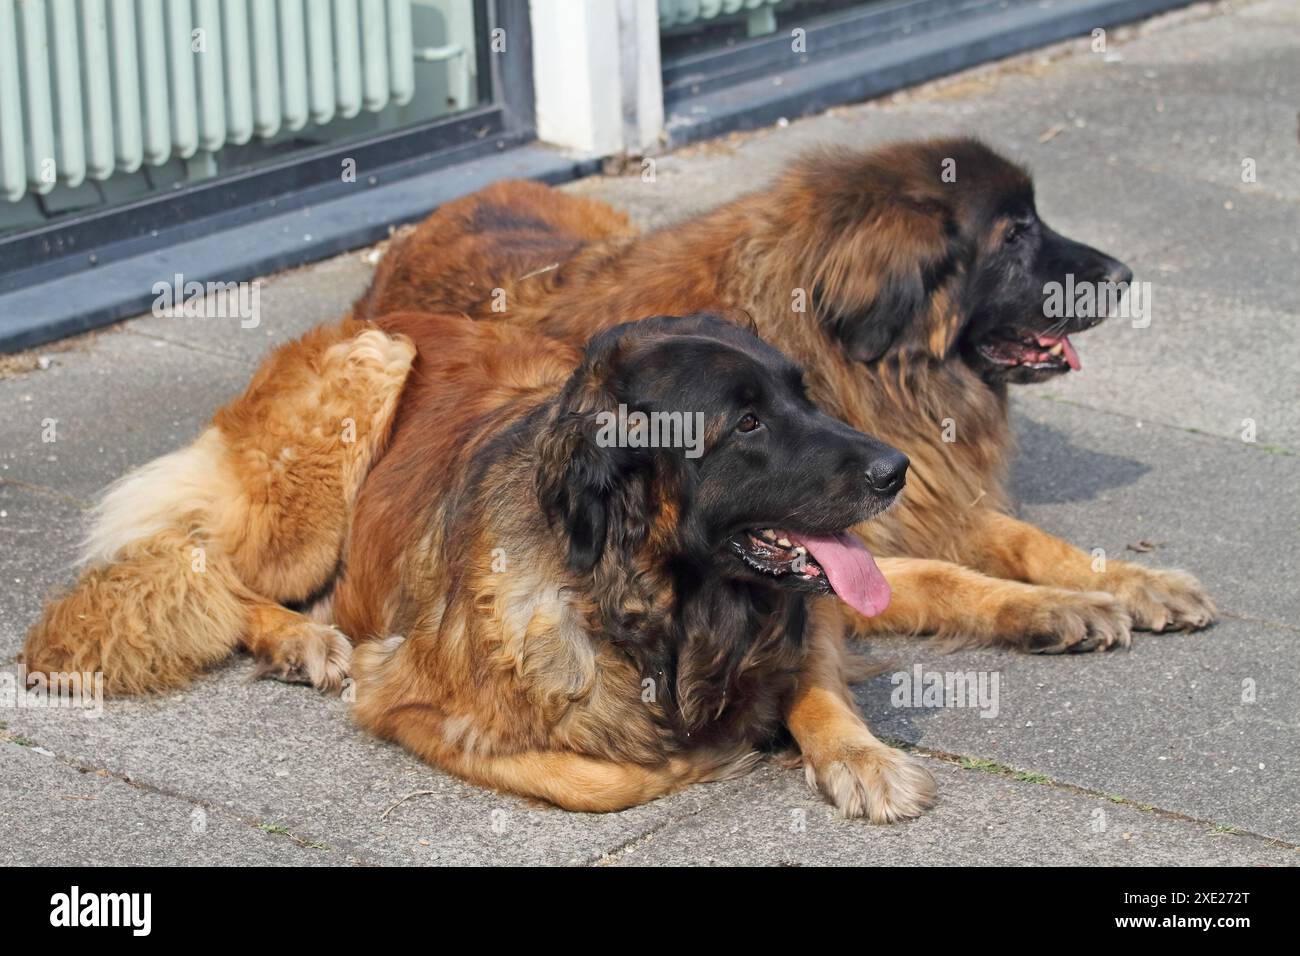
(102, 409)
(149, 386)
(981, 819)
(39, 532)
(288, 757)
(1206, 724)
(1225, 509)
(57, 815)
(288, 305)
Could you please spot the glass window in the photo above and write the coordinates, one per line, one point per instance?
(105, 103)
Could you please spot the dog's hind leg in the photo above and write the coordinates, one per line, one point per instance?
(291, 647)
(300, 441)
(843, 759)
(185, 549)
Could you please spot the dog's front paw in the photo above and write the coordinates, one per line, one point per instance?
(1159, 600)
(871, 780)
(318, 655)
(1073, 622)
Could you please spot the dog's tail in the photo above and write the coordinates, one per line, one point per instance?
(157, 601)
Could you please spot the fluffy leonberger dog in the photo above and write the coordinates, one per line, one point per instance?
(597, 618)
(912, 302)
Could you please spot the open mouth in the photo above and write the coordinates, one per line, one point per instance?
(820, 564)
(1051, 353)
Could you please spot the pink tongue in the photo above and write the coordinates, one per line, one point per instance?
(850, 569)
(1071, 356)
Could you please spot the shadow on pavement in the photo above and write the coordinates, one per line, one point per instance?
(1050, 469)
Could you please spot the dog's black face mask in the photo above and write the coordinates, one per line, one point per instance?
(1029, 288)
(707, 432)
(933, 268)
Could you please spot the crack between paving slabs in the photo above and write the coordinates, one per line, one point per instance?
(252, 822)
(228, 356)
(983, 765)
(604, 857)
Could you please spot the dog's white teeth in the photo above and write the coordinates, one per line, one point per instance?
(1056, 349)
(767, 534)
(801, 551)
(785, 542)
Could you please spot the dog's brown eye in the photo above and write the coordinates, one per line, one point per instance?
(1015, 231)
(748, 424)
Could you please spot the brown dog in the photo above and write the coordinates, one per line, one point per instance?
(911, 302)
(558, 612)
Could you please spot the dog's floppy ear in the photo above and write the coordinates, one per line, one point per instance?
(740, 317)
(580, 476)
(879, 273)
(575, 485)
(867, 330)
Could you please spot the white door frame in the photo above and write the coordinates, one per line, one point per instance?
(596, 75)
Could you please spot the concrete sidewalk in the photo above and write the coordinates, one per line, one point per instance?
(1185, 750)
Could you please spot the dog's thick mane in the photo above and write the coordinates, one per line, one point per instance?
(697, 637)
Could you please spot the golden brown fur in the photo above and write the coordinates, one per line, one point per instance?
(865, 269)
(192, 555)
(851, 230)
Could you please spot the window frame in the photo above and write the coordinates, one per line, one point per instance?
(98, 236)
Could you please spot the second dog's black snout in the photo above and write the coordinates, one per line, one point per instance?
(1117, 273)
(1104, 268)
(887, 474)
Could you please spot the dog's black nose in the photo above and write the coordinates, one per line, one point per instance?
(1119, 274)
(888, 473)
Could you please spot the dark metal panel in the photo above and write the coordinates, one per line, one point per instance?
(854, 29)
(874, 70)
(513, 71)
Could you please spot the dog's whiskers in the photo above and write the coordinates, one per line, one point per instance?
(1056, 328)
